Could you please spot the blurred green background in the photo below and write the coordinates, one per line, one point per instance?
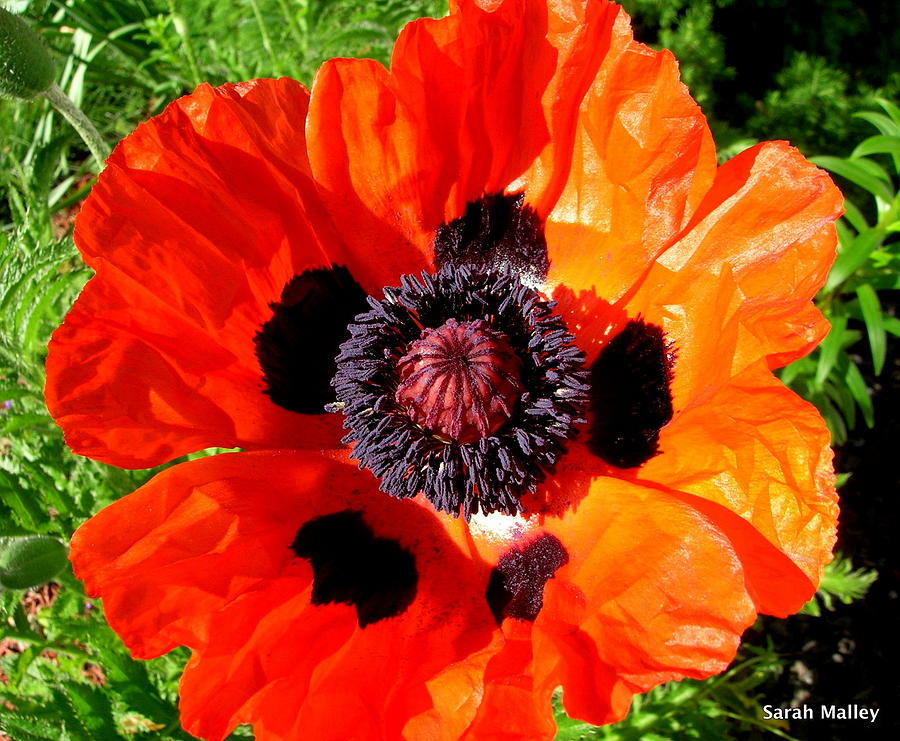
(822, 75)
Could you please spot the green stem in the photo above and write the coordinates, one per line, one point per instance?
(266, 40)
(179, 21)
(81, 123)
(298, 34)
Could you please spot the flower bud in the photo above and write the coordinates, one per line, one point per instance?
(30, 560)
(25, 66)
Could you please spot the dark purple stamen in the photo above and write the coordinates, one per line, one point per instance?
(497, 232)
(492, 472)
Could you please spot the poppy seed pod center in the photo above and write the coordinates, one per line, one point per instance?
(460, 380)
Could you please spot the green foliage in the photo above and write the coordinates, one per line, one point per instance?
(868, 261)
(56, 683)
(820, 62)
(842, 582)
(700, 51)
(810, 104)
(686, 28)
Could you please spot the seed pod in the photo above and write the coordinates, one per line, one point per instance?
(25, 65)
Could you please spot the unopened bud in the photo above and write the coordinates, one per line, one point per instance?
(25, 65)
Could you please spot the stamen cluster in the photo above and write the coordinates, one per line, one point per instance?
(473, 473)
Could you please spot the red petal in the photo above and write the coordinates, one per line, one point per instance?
(134, 383)
(200, 218)
(459, 115)
(201, 556)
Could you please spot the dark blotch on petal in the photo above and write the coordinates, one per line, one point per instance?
(296, 348)
(631, 397)
(516, 586)
(354, 567)
(496, 231)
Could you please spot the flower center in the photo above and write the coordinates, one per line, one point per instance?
(463, 385)
(460, 380)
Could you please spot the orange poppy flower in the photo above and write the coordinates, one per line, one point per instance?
(598, 493)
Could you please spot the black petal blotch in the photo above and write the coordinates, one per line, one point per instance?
(631, 396)
(352, 566)
(498, 231)
(296, 348)
(516, 586)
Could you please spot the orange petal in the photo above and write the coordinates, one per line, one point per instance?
(201, 556)
(737, 285)
(582, 35)
(643, 158)
(759, 450)
(654, 590)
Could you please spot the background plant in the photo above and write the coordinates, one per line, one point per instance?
(63, 673)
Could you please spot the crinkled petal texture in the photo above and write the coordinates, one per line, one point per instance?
(727, 262)
(654, 590)
(208, 210)
(201, 556)
(733, 294)
(198, 221)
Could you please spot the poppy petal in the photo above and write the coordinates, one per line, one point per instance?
(642, 159)
(133, 383)
(583, 35)
(738, 284)
(458, 115)
(653, 590)
(759, 450)
(200, 219)
(201, 556)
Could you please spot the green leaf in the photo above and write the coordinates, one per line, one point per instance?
(28, 728)
(871, 310)
(841, 395)
(857, 385)
(22, 421)
(879, 144)
(858, 173)
(833, 418)
(853, 257)
(842, 582)
(24, 508)
(892, 110)
(881, 122)
(30, 560)
(892, 325)
(854, 216)
(830, 348)
(11, 391)
(93, 710)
